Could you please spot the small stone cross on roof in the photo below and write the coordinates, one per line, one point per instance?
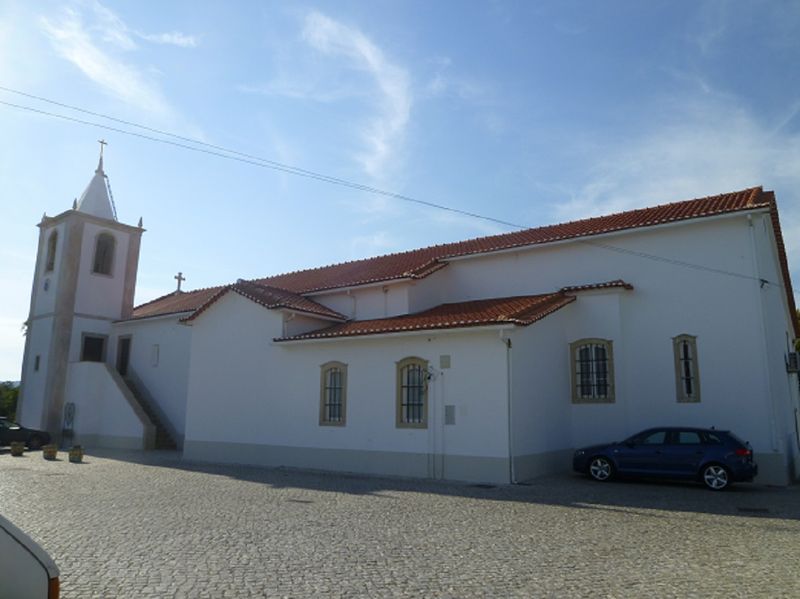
(180, 278)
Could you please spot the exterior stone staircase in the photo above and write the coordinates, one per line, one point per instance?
(163, 439)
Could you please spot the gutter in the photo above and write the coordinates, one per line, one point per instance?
(429, 332)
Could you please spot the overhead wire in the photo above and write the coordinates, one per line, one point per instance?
(235, 155)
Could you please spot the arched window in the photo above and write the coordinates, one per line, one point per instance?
(412, 393)
(333, 394)
(50, 262)
(687, 374)
(104, 254)
(592, 371)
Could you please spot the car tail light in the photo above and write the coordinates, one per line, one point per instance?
(743, 451)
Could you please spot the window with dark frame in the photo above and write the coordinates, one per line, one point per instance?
(333, 395)
(93, 348)
(686, 371)
(412, 393)
(592, 371)
(104, 254)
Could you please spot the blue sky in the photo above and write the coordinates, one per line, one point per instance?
(529, 112)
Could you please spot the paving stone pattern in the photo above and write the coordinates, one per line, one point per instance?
(132, 524)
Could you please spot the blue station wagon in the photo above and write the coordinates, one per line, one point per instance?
(717, 458)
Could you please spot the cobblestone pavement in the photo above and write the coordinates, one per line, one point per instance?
(150, 525)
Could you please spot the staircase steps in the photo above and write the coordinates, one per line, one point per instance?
(163, 439)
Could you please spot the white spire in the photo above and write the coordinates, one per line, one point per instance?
(95, 199)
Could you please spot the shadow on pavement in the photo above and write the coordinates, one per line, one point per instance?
(642, 497)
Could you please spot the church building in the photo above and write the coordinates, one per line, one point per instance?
(485, 360)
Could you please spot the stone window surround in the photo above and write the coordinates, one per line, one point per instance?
(573, 347)
(401, 366)
(680, 393)
(323, 377)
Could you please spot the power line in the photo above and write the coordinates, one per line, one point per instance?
(675, 262)
(230, 154)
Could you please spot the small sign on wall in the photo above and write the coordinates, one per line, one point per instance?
(450, 414)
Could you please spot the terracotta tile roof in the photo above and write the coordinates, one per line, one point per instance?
(269, 297)
(175, 303)
(419, 263)
(416, 264)
(521, 310)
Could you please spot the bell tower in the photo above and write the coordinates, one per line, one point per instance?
(85, 279)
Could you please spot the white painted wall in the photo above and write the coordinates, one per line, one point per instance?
(39, 334)
(45, 298)
(103, 414)
(297, 324)
(89, 326)
(166, 378)
(101, 295)
(363, 303)
(244, 388)
(273, 390)
(542, 419)
(547, 268)
(778, 337)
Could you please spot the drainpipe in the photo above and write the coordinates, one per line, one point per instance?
(511, 469)
(287, 318)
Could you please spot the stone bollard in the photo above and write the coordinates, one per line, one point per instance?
(50, 452)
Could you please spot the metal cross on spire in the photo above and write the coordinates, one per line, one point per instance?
(102, 143)
(180, 278)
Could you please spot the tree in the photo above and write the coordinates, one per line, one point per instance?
(9, 392)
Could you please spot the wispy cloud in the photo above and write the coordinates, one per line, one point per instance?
(173, 38)
(709, 145)
(74, 43)
(445, 82)
(89, 39)
(298, 89)
(383, 132)
(379, 242)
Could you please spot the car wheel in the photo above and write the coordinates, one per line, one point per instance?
(716, 477)
(34, 442)
(601, 468)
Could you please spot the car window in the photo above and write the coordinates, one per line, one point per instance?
(653, 438)
(687, 438)
(713, 439)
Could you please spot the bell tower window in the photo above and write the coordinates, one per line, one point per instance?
(50, 262)
(104, 254)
